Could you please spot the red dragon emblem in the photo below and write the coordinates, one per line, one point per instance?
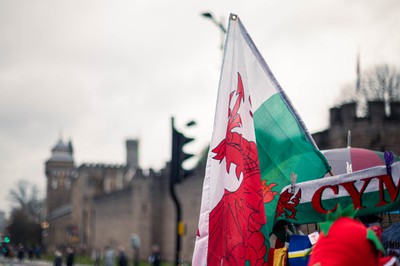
(236, 221)
(287, 203)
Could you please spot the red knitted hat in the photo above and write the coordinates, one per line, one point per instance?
(346, 241)
(345, 244)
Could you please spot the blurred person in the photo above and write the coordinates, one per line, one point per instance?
(31, 252)
(96, 257)
(58, 258)
(122, 259)
(38, 252)
(70, 257)
(109, 257)
(155, 257)
(20, 252)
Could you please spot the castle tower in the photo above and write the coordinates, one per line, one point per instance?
(60, 172)
(132, 153)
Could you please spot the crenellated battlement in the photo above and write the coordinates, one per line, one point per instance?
(377, 130)
(346, 115)
(101, 166)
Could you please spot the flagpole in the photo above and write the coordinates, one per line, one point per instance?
(175, 198)
(358, 81)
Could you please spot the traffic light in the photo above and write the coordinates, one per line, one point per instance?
(6, 239)
(178, 172)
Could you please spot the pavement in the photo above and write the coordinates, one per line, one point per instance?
(15, 262)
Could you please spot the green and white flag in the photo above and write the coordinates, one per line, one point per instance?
(370, 191)
(258, 140)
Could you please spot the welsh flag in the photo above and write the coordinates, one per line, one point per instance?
(258, 140)
(370, 191)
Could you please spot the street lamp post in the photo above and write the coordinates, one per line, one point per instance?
(44, 226)
(221, 26)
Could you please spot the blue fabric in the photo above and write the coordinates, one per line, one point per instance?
(299, 250)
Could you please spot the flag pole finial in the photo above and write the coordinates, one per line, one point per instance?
(293, 180)
(348, 139)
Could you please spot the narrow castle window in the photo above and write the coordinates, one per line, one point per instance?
(54, 183)
(120, 180)
(107, 185)
(67, 183)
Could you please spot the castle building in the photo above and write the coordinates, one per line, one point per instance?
(97, 205)
(92, 206)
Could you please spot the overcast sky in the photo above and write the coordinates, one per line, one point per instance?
(99, 72)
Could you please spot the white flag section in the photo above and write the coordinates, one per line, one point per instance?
(258, 140)
(232, 211)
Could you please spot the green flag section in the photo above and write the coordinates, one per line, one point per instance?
(283, 142)
(258, 140)
(283, 148)
(370, 191)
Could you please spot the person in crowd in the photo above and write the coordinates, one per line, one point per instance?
(38, 252)
(58, 258)
(20, 252)
(70, 257)
(109, 256)
(155, 257)
(31, 252)
(122, 258)
(96, 257)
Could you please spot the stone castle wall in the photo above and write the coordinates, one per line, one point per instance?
(190, 192)
(113, 219)
(375, 131)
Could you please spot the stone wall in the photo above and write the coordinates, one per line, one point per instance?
(190, 192)
(142, 208)
(376, 131)
(113, 219)
(56, 233)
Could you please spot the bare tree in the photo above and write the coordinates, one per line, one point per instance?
(347, 95)
(25, 197)
(379, 83)
(24, 222)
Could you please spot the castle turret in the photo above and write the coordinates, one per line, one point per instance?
(132, 153)
(348, 113)
(60, 173)
(335, 116)
(344, 115)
